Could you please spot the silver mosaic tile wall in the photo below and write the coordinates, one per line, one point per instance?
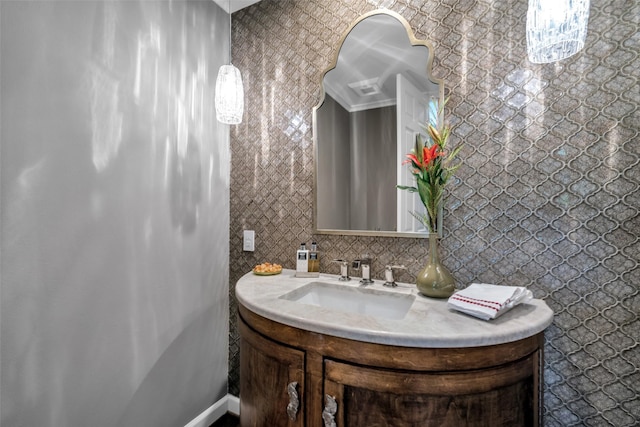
(548, 196)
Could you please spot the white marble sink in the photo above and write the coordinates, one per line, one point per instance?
(353, 299)
(391, 316)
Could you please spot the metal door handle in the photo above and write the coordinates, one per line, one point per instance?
(329, 412)
(294, 401)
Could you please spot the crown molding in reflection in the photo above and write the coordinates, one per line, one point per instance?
(236, 5)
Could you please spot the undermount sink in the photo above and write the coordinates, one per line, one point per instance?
(350, 299)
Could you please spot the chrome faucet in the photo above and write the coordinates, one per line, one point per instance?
(365, 265)
(388, 275)
(344, 270)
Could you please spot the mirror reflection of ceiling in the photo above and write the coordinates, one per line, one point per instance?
(370, 58)
(235, 5)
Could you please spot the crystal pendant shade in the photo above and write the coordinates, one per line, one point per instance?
(556, 29)
(229, 95)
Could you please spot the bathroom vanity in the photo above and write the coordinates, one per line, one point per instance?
(320, 352)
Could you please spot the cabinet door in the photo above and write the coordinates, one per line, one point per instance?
(501, 396)
(271, 382)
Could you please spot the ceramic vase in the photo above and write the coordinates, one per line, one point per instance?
(435, 280)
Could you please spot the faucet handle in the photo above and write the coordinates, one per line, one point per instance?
(344, 270)
(364, 263)
(388, 274)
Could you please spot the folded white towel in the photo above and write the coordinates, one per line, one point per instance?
(488, 301)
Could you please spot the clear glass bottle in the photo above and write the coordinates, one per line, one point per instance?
(314, 259)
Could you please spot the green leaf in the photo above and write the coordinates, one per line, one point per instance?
(408, 188)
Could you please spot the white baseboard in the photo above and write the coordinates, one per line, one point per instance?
(229, 403)
(233, 404)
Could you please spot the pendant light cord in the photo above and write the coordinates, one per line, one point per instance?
(230, 43)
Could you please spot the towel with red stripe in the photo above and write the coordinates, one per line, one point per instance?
(488, 301)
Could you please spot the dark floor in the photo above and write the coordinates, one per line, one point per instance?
(228, 420)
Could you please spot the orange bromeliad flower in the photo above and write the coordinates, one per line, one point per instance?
(411, 158)
(430, 154)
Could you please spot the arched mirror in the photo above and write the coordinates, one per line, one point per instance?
(376, 97)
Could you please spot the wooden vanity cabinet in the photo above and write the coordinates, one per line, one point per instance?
(271, 379)
(381, 385)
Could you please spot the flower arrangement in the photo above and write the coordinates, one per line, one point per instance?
(432, 166)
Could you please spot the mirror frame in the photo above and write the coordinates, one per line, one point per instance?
(413, 42)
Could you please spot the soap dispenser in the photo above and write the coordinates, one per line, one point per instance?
(302, 259)
(314, 259)
(304, 263)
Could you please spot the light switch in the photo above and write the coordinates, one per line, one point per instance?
(249, 240)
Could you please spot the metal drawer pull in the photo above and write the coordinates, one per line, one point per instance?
(294, 401)
(329, 412)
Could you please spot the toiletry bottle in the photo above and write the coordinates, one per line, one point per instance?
(302, 261)
(314, 259)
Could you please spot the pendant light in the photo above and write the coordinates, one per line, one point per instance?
(229, 90)
(556, 29)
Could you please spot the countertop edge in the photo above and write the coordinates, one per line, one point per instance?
(521, 322)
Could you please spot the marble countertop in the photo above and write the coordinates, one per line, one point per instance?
(427, 324)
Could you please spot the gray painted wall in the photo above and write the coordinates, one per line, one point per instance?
(353, 157)
(334, 161)
(115, 213)
(373, 175)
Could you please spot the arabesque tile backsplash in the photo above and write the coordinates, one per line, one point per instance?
(547, 197)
